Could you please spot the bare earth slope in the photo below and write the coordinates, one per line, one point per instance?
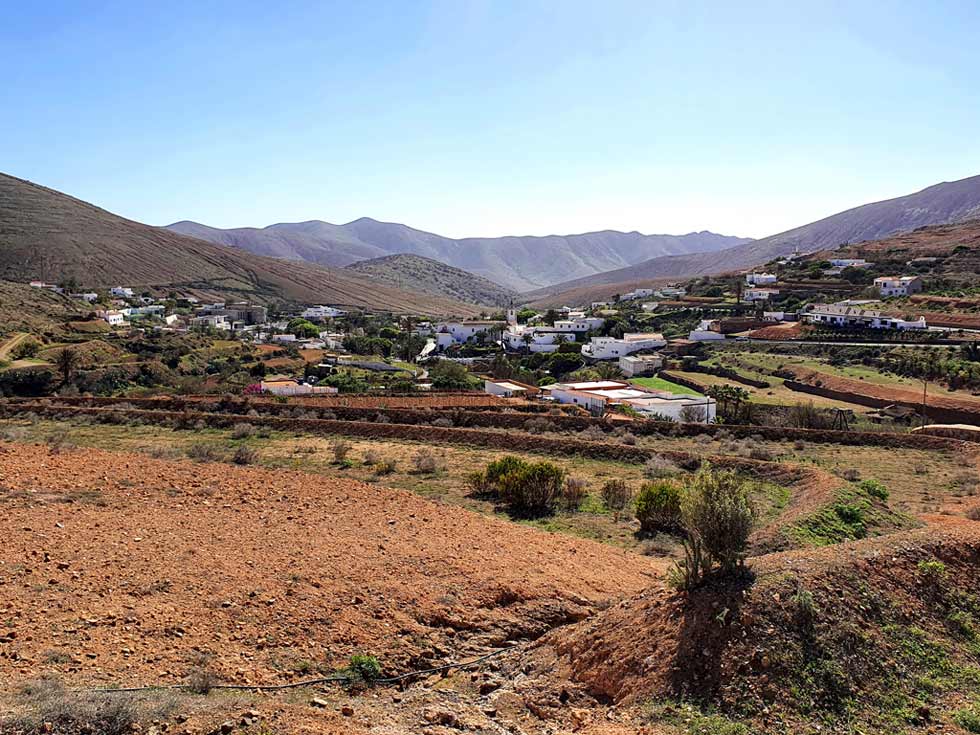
(520, 263)
(50, 235)
(942, 203)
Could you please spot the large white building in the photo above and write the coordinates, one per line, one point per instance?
(760, 279)
(112, 318)
(611, 348)
(898, 285)
(851, 317)
(759, 294)
(631, 365)
(637, 293)
(121, 292)
(599, 395)
(450, 333)
(321, 312)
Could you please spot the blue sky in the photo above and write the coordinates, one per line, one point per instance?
(491, 118)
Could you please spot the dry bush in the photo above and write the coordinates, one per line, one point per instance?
(658, 466)
(920, 468)
(245, 454)
(340, 450)
(628, 438)
(425, 462)
(965, 483)
(799, 445)
(58, 441)
(592, 434)
(327, 416)
(616, 494)
(371, 457)
(49, 707)
(443, 423)
(538, 425)
(200, 452)
(380, 418)
(574, 492)
(974, 513)
(850, 474)
(242, 431)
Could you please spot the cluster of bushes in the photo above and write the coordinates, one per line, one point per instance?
(527, 489)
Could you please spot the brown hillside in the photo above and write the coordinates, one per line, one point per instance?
(49, 235)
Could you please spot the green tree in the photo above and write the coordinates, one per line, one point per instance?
(449, 375)
(67, 361)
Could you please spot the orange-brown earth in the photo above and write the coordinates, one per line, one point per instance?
(120, 568)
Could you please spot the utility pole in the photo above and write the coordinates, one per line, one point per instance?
(925, 383)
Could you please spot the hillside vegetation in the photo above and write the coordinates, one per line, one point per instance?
(429, 276)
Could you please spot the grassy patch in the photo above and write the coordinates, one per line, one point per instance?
(855, 513)
(665, 385)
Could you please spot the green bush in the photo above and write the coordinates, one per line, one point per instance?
(874, 488)
(717, 516)
(658, 507)
(363, 668)
(532, 490)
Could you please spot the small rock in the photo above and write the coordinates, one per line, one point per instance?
(347, 711)
(318, 702)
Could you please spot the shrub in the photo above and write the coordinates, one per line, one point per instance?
(425, 462)
(717, 516)
(874, 488)
(532, 490)
(363, 668)
(968, 718)
(851, 474)
(340, 450)
(26, 349)
(242, 431)
(657, 467)
(201, 680)
(593, 434)
(380, 418)
(385, 466)
(203, 453)
(932, 570)
(574, 492)
(371, 457)
(628, 438)
(443, 423)
(658, 507)
(245, 455)
(616, 494)
(500, 467)
(538, 425)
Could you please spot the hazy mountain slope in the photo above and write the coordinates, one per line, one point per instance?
(429, 276)
(50, 235)
(942, 203)
(516, 262)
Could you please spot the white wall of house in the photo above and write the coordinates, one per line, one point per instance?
(610, 348)
(760, 279)
(673, 407)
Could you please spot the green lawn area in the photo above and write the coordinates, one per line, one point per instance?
(664, 385)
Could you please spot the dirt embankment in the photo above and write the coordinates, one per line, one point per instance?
(837, 634)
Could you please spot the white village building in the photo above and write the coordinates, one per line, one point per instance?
(898, 285)
(122, 292)
(759, 294)
(760, 279)
(611, 348)
(635, 365)
(851, 317)
(599, 395)
(321, 312)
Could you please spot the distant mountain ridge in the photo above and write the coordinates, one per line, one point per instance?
(49, 235)
(433, 277)
(943, 203)
(516, 262)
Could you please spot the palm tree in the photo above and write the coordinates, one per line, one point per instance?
(67, 361)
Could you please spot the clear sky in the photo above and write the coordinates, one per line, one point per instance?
(489, 118)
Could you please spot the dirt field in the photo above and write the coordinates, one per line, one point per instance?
(121, 568)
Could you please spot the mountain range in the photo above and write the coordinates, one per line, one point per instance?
(517, 263)
(45, 234)
(947, 202)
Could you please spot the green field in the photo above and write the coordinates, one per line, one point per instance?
(664, 385)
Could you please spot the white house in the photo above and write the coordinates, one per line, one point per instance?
(121, 292)
(672, 292)
(650, 305)
(89, 296)
(850, 263)
(611, 348)
(599, 305)
(171, 319)
(112, 318)
(506, 388)
(216, 321)
(898, 285)
(760, 279)
(704, 333)
(597, 396)
(321, 312)
(850, 317)
(759, 294)
(637, 293)
(462, 332)
(288, 387)
(283, 338)
(631, 365)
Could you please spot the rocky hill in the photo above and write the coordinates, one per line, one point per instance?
(49, 235)
(940, 204)
(429, 276)
(520, 263)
